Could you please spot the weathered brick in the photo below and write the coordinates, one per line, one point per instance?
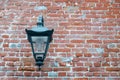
(80, 69)
(117, 1)
(97, 79)
(79, 54)
(11, 59)
(113, 50)
(105, 64)
(62, 64)
(5, 36)
(27, 73)
(27, 69)
(87, 55)
(94, 41)
(97, 64)
(37, 74)
(62, 69)
(85, 42)
(46, 69)
(62, 74)
(61, 0)
(95, 69)
(81, 79)
(77, 41)
(91, 0)
(63, 50)
(112, 69)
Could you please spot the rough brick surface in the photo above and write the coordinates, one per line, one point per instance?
(85, 46)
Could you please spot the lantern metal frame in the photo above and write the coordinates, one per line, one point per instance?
(41, 31)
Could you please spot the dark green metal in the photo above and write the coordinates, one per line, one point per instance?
(39, 61)
(48, 33)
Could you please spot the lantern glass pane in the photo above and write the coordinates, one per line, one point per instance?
(39, 43)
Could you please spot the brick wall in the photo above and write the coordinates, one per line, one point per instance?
(85, 46)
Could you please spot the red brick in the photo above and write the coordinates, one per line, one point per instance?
(105, 64)
(2, 63)
(36, 74)
(26, 78)
(113, 69)
(27, 69)
(54, 8)
(77, 41)
(1, 40)
(79, 54)
(63, 50)
(64, 24)
(102, 8)
(44, 79)
(91, 0)
(97, 78)
(46, 69)
(80, 69)
(96, 69)
(61, 41)
(3, 54)
(54, 15)
(26, 50)
(112, 59)
(62, 74)
(97, 64)
(28, 54)
(105, 74)
(9, 78)
(113, 50)
(27, 73)
(5, 36)
(117, 1)
(62, 69)
(70, 45)
(105, 55)
(87, 55)
(97, 74)
(11, 59)
(62, 64)
(79, 64)
(5, 45)
(61, 0)
(117, 37)
(62, 32)
(81, 79)
(94, 41)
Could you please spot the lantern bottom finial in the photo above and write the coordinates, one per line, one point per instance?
(39, 64)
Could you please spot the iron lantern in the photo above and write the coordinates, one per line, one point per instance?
(39, 38)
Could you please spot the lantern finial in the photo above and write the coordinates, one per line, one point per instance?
(40, 21)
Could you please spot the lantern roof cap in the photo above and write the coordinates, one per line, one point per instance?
(39, 29)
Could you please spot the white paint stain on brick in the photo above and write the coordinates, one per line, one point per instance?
(100, 50)
(111, 45)
(52, 74)
(39, 8)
